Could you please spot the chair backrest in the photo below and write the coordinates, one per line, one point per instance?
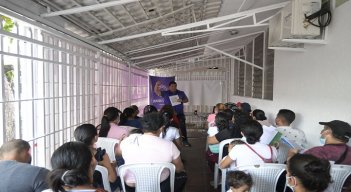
(104, 174)
(339, 175)
(221, 146)
(283, 152)
(109, 145)
(265, 176)
(147, 175)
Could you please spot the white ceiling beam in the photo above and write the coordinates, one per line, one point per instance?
(171, 61)
(215, 29)
(142, 23)
(234, 57)
(195, 47)
(170, 43)
(87, 8)
(171, 55)
(229, 22)
(197, 24)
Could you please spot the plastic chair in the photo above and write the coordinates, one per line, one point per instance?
(147, 176)
(283, 152)
(109, 145)
(220, 156)
(104, 174)
(339, 175)
(265, 176)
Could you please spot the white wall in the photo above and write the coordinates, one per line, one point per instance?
(316, 84)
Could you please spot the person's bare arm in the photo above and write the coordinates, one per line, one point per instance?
(106, 162)
(225, 163)
(212, 140)
(179, 167)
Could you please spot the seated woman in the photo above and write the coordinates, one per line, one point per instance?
(251, 152)
(260, 116)
(128, 118)
(307, 173)
(211, 117)
(170, 132)
(72, 168)
(87, 134)
(149, 109)
(221, 123)
(109, 128)
(150, 148)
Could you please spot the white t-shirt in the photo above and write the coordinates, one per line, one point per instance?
(295, 135)
(147, 149)
(212, 131)
(171, 134)
(242, 155)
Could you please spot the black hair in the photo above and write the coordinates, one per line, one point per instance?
(287, 115)
(110, 114)
(237, 179)
(166, 113)
(221, 121)
(152, 122)
(85, 133)
(127, 113)
(259, 114)
(252, 130)
(149, 109)
(314, 173)
(171, 83)
(70, 166)
(229, 113)
(241, 118)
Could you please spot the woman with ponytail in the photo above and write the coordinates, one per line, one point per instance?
(170, 132)
(307, 173)
(250, 151)
(109, 127)
(128, 118)
(72, 168)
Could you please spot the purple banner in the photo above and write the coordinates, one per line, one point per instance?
(158, 84)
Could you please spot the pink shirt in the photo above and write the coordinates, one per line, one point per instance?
(211, 118)
(145, 148)
(117, 132)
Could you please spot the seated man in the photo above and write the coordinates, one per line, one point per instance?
(334, 136)
(16, 172)
(283, 120)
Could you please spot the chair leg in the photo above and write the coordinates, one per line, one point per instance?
(224, 174)
(215, 176)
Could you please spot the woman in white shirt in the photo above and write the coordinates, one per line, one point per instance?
(170, 132)
(251, 152)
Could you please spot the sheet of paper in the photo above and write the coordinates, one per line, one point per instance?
(174, 100)
(268, 134)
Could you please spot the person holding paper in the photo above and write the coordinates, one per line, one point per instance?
(176, 98)
(283, 121)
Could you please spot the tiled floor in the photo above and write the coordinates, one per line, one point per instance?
(199, 175)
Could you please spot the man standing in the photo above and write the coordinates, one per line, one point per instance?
(16, 172)
(176, 98)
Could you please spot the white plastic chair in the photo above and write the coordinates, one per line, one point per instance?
(339, 175)
(220, 156)
(265, 176)
(109, 145)
(147, 176)
(104, 174)
(283, 152)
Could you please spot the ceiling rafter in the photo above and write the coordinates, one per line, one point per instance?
(142, 23)
(112, 15)
(86, 8)
(197, 46)
(173, 30)
(92, 16)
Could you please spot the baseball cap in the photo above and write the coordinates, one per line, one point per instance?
(340, 129)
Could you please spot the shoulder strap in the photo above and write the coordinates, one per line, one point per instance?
(342, 156)
(270, 148)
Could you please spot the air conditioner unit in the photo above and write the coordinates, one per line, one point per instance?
(289, 23)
